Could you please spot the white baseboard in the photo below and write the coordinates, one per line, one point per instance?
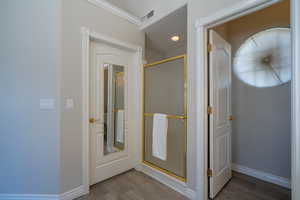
(28, 197)
(70, 195)
(191, 194)
(167, 180)
(284, 182)
(139, 167)
(73, 194)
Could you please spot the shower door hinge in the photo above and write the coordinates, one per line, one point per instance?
(209, 173)
(209, 47)
(209, 110)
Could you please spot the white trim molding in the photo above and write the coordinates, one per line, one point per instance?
(271, 178)
(295, 9)
(85, 108)
(70, 195)
(116, 11)
(112, 41)
(73, 194)
(167, 180)
(28, 197)
(239, 9)
(202, 25)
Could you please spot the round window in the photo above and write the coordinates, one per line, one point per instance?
(264, 59)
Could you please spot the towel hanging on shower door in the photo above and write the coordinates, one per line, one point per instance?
(159, 136)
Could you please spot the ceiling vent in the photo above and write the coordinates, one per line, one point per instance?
(148, 16)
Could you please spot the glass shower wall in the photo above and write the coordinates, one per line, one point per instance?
(165, 92)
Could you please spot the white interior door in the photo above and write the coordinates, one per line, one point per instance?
(219, 120)
(108, 75)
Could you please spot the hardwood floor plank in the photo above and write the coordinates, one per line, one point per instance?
(242, 187)
(134, 185)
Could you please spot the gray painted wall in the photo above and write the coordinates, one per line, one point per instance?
(36, 81)
(75, 14)
(29, 70)
(262, 128)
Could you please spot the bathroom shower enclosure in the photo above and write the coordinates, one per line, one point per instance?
(165, 92)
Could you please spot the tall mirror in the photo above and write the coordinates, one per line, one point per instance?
(114, 92)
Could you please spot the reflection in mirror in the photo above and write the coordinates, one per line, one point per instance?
(114, 115)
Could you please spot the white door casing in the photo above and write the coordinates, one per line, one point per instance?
(105, 166)
(134, 78)
(219, 121)
(218, 17)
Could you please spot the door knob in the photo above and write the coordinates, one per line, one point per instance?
(231, 118)
(93, 120)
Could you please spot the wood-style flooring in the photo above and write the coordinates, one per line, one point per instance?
(132, 185)
(242, 187)
(135, 185)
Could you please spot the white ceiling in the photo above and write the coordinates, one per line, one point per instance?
(137, 8)
(159, 34)
(120, 4)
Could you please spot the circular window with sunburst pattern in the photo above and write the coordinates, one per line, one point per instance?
(264, 59)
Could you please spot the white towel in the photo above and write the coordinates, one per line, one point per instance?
(159, 136)
(120, 126)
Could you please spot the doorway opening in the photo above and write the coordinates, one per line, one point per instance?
(109, 68)
(249, 105)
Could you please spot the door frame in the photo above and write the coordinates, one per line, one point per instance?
(202, 25)
(87, 36)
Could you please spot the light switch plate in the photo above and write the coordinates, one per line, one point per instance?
(47, 104)
(69, 104)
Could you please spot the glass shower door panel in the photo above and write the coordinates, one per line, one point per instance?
(176, 147)
(164, 88)
(164, 92)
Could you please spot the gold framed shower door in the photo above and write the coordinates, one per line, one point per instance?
(179, 117)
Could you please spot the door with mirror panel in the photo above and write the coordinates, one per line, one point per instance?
(110, 144)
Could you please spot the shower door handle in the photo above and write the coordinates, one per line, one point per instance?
(183, 117)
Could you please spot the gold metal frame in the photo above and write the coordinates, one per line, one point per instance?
(169, 116)
(120, 73)
(181, 117)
